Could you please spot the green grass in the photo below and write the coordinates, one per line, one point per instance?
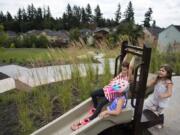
(40, 57)
(21, 55)
(45, 103)
(158, 59)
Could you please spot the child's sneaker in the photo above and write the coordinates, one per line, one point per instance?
(91, 111)
(85, 121)
(81, 123)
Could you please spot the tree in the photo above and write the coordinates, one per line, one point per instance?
(48, 15)
(1, 28)
(19, 15)
(39, 19)
(77, 12)
(148, 18)
(42, 42)
(39, 15)
(76, 16)
(98, 16)
(74, 34)
(31, 11)
(47, 21)
(154, 23)
(84, 17)
(8, 17)
(132, 30)
(118, 14)
(89, 13)
(68, 18)
(24, 15)
(2, 17)
(129, 13)
(3, 35)
(69, 10)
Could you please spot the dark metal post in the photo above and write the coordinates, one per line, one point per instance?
(142, 89)
(120, 57)
(123, 53)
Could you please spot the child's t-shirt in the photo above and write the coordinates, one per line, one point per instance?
(159, 88)
(113, 105)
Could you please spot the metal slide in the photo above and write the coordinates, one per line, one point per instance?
(61, 125)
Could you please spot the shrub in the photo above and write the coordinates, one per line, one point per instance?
(42, 42)
(74, 34)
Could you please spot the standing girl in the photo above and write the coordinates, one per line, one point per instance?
(158, 101)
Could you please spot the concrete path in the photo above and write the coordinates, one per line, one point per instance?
(172, 113)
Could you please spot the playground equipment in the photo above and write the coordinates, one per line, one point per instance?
(142, 120)
(132, 118)
(61, 126)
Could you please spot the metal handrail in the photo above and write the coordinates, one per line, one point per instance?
(135, 47)
(133, 52)
(134, 83)
(116, 64)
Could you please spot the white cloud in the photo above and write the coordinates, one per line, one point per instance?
(164, 12)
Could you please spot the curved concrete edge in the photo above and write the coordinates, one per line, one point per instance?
(7, 84)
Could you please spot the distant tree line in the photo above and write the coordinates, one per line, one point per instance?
(74, 17)
(41, 18)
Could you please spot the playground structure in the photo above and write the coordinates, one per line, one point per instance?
(133, 117)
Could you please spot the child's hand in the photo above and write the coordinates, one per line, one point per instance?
(161, 96)
(103, 114)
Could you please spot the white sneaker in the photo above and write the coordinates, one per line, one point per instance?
(159, 126)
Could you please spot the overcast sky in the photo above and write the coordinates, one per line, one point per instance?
(165, 12)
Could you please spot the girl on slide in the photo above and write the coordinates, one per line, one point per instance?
(114, 92)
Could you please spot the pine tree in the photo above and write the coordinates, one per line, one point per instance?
(24, 15)
(76, 16)
(19, 15)
(47, 18)
(148, 18)
(89, 13)
(39, 15)
(29, 12)
(65, 21)
(69, 10)
(154, 23)
(2, 18)
(129, 13)
(48, 15)
(84, 18)
(118, 14)
(98, 16)
(77, 12)
(8, 16)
